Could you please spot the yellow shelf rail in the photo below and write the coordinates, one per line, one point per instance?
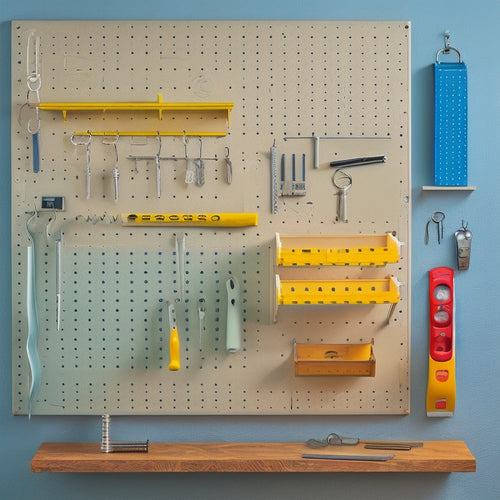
(343, 250)
(309, 292)
(152, 133)
(158, 106)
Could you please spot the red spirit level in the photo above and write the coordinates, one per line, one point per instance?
(441, 383)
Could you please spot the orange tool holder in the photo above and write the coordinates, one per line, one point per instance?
(441, 387)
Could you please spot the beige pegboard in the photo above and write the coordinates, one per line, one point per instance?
(348, 80)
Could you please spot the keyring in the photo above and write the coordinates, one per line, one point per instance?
(344, 176)
(438, 217)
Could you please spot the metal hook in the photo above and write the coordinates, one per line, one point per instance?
(86, 143)
(158, 137)
(447, 39)
(80, 142)
(447, 48)
(51, 220)
(36, 129)
(113, 143)
(28, 221)
(116, 172)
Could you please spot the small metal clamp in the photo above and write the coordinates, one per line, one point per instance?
(463, 237)
(332, 439)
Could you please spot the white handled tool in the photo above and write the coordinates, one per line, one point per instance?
(233, 326)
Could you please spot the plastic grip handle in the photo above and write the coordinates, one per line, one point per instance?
(174, 350)
(36, 154)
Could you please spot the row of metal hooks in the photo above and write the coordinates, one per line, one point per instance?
(195, 166)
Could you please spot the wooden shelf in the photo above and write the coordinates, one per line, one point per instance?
(433, 456)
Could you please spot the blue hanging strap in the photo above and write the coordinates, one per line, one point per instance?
(450, 126)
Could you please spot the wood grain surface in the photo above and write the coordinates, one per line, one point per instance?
(433, 456)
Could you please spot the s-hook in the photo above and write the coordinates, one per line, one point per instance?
(81, 141)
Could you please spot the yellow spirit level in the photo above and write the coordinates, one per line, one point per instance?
(191, 219)
(441, 386)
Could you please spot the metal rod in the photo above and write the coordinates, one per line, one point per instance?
(174, 158)
(354, 162)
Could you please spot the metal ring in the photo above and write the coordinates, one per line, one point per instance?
(446, 51)
(345, 175)
(34, 83)
(438, 217)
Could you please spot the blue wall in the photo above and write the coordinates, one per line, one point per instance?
(474, 30)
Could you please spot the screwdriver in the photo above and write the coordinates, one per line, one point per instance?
(174, 340)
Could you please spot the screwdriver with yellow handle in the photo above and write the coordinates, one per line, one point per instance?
(174, 339)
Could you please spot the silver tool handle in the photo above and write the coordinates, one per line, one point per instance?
(343, 204)
(116, 176)
(316, 151)
(87, 183)
(158, 177)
